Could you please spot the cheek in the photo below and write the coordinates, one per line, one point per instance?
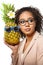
(33, 27)
(22, 28)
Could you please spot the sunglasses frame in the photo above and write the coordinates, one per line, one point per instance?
(15, 28)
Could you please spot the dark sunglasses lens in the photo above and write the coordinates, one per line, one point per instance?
(16, 29)
(7, 29)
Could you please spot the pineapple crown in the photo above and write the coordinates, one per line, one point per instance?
(8, 13)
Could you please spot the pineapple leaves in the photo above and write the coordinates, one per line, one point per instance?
(5, 10)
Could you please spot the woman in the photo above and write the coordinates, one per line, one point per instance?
(30, 50)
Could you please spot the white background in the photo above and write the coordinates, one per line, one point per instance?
(5, 52)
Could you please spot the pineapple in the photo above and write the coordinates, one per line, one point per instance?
(11, 30)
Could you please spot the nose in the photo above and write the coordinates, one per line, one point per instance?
(27, 24)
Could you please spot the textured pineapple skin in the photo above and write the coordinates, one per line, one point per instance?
(12, 37)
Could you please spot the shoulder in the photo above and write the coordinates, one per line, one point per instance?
(40, 39)
(40, 43)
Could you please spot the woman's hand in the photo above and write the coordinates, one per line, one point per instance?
(13, 48)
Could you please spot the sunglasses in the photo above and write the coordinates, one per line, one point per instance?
(9, 29)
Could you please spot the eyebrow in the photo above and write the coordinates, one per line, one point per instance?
(28, 18)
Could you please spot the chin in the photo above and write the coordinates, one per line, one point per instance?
(29, 33)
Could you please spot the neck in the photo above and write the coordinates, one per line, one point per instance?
(29, 37)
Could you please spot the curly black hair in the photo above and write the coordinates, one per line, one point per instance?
(36, 14)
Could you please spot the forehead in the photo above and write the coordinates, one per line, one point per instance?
(25, 14)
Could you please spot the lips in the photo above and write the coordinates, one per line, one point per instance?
(28, 29)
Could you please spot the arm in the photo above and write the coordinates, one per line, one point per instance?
(14, 58)
(14, 54)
